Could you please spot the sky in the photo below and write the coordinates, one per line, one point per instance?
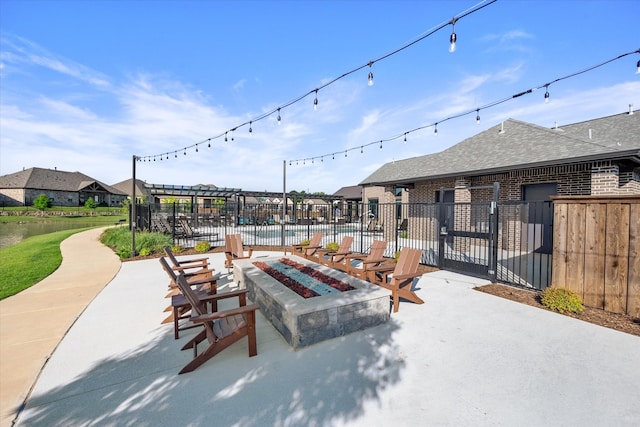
(87, 85)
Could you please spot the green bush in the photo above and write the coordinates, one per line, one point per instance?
(562, 300)
(145, 252)
(119, 239)
(202, 247)
(176, 249)
(305, 243)
(333, 246)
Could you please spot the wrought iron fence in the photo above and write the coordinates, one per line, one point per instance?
(507, 242)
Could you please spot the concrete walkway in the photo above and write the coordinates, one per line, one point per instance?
(463, 358)
(33, 322)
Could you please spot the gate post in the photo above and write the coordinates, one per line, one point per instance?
(493, 233)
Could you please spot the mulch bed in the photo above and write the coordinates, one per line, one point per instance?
(619, 322)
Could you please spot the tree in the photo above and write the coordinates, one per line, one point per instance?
(90, 204)
(42, 202)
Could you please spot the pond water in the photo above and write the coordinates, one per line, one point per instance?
(12, 233)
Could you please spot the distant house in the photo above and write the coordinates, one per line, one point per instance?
(62, 188)
(350, 204)
(529, 162)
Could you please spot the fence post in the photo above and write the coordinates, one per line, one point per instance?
(494, 213)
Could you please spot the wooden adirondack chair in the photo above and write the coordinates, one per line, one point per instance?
(180, 307)
(221, 328)
(374, 258)
(235, 249)
(401, 282)
(337, 259)
(308, 251)
(191, 267)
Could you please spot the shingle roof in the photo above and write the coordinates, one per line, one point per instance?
(517, 145)
(52, 179)
(350, 192)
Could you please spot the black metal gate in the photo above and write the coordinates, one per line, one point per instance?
(467, 244)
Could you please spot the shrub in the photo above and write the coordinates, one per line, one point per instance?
(305, 243)
(119, 239)
(333, 246)
(145, 252)
(562, 300)
(176, 249)
(202, 247)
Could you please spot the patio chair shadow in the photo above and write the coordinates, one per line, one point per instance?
(324, 384)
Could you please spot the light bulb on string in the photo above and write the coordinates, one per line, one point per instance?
(638, 71)
(250, 129)
(345, 153)
(225, 137)
(333, 156)
(322, 159)
(175, 154)
(370, 78)
(453, 38)
(405, 137)
(478, 116)
(435, 130)
(315, 102)
(209, 143)
(185, 151)
(361, 150)
(546, 94)
(279, 118)
(381, 144)
(196, 148)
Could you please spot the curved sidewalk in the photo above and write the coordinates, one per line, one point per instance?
(33, 322)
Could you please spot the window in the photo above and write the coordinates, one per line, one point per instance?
(373, 207)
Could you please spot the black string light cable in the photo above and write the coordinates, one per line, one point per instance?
(471, 10)
(476, 110)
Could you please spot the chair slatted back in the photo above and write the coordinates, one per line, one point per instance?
(408, 261)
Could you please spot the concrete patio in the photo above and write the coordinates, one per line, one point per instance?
(462, 358)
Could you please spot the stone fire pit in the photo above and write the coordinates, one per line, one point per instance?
(305, 321)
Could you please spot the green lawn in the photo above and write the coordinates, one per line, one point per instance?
(26, 263)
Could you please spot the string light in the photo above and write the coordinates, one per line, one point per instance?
(361, 150)
(405, 137)
(279, 118)
(209, 144)
(478, 116)
(453, 38)
(196, 148)
(481, 5)
(315, 102)
(546, 94)
(250, 129)
(381, 144)
(435, 129)
(638, 71)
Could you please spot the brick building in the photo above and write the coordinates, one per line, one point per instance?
(62, 188)
(530, 162)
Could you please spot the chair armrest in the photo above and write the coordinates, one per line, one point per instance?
(224, 295)
(183, 268)
(373, 261)
(226, 313)
(212, 279)
(407, 276)
(381, 268)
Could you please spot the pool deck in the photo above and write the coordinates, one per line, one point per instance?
(463, 358)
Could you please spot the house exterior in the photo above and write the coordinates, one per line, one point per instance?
(63, 188)
(530, 162)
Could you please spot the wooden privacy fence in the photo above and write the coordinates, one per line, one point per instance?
(596, 250)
